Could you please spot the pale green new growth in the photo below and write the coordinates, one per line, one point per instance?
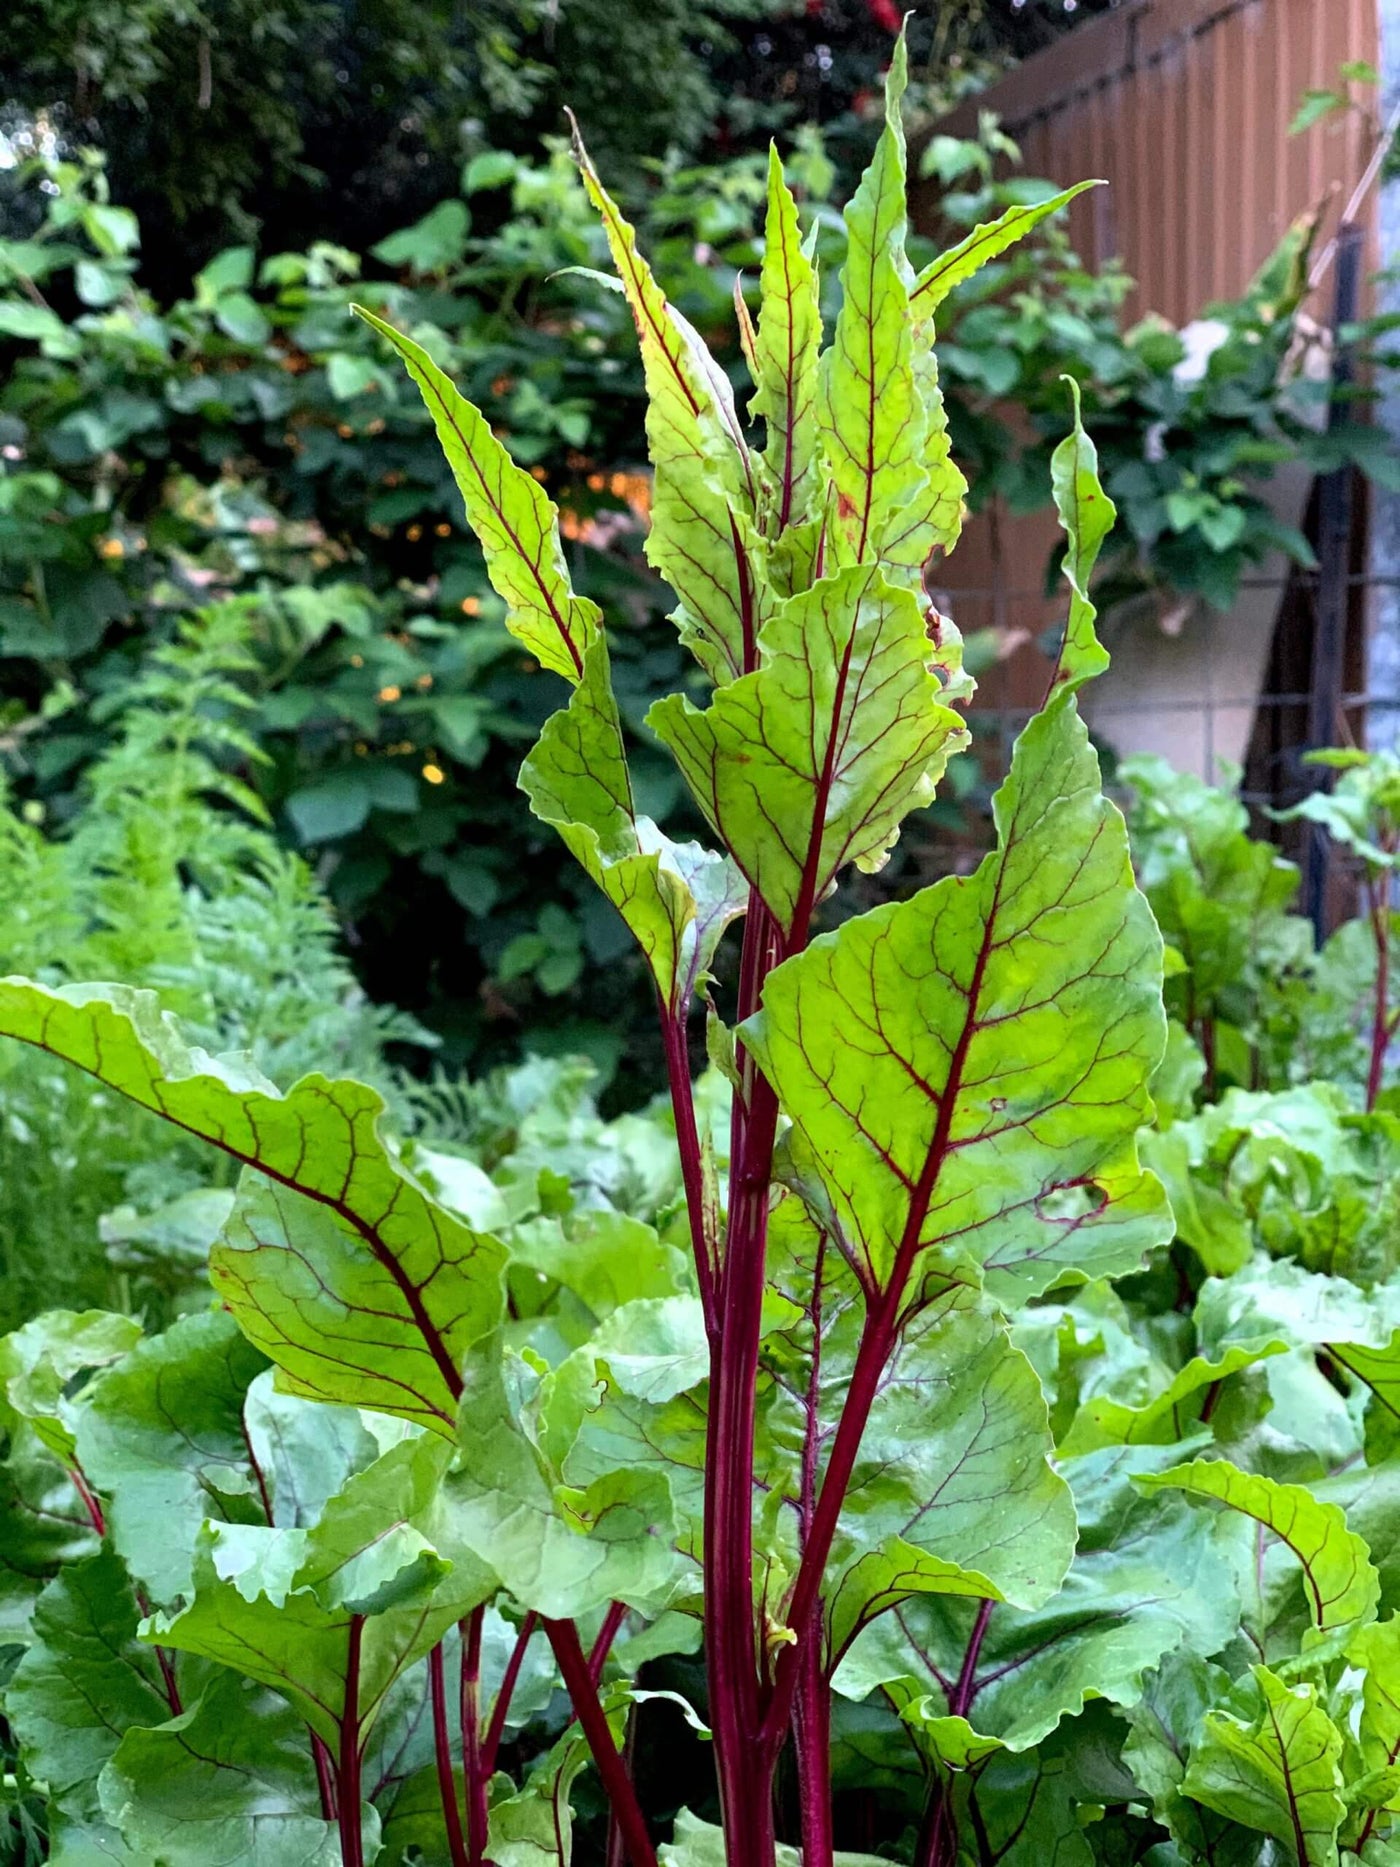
(1279, 1774)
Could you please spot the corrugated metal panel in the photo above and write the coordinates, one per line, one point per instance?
(1183, 106)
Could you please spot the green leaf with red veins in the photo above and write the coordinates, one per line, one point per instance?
(932, 521)
(785, 357)
(1168, 1416)
(1279, 1774)
(953, 1492)
(676, 898)
(565, 1544)
(1141, 1585)
(1378, 1369)
(339, 1266)
(1341, 1583)
(986, 242)
(695, 1843)
(813, 761)
(703, 539)
(85, 1681)
(968, 1069)
(1376, 1651)
(873, 425)
(1087, 515)
(512, 516)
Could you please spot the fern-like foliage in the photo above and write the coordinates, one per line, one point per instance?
(168, 875)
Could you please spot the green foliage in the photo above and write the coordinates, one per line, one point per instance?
(165, 875)
(876, 1362)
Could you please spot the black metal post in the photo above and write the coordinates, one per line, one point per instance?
(1334, 514)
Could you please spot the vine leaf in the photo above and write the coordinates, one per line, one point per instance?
(1342, 1585)
(1279, 1774)
(162, 1437)
(676, 898)
(511, 514)
(986, 242)
(814, 760)
(337, 1264)
(231, 1780)
(702, 539)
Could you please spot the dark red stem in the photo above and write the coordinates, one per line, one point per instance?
(602, 1646)
(616, 1851)
(673, 1037)
(469, 1687)
(347, 1773)
(172, 1690)
(938, 1839)
(607, 1760)
(879, 1337)
(963, 1693)
(500, 1711)
(257, 1471)
(1380, 1020)
(812, 1737)
(442, 1756)
(89, 1500)
(325, 1776)
(163, 1658)
(744, 1766)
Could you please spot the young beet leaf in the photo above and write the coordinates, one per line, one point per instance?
(822, 1434)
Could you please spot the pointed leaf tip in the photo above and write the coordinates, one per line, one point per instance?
(513, 517)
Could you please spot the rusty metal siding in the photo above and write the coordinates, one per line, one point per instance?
(1183, 107)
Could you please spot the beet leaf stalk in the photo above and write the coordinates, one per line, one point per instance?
(943, 1094)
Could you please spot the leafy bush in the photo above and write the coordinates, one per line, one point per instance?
(875, 1356)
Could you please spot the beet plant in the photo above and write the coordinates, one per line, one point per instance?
(447, 1445)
